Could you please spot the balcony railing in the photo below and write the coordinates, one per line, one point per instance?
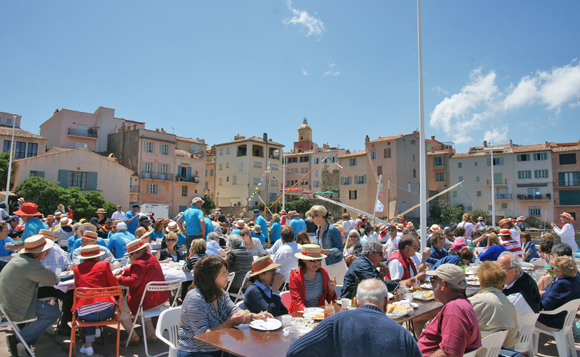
(134, 189)
(545, 197)
(566, 183)
(194, 179)
(503, 196)
(81, 132)
(156, 176)
(497, 182)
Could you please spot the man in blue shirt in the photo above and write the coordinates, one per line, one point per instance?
(132, 218)
(261, 221)
(297, 223)
(194, 222)
(4, 239)
(29, 214)
(118, 241)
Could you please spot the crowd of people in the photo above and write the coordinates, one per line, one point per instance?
(308, 258)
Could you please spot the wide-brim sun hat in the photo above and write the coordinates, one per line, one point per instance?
(257, 229)
(172, 226)
(310, 252)
(240, 223)
(90, 235)
(83, 227)
(65, 221)
(435, 228)
(142, 233)
(505, 232)
(521, 218)
(101, 210)
(400, 227)
(504, 221)
(292, 213)
(47, 233)
(36, 244)
(28, 209)
(136, 245)
(568, 216)
(91, 251)
(263, 264)
(256, 212)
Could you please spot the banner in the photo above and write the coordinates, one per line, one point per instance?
(379, 207)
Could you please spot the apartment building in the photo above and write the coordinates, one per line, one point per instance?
(438, 154)
(240, 168)
(189, 161)
(26, 144)
(73, 129)
(209, 188)
(566, 180)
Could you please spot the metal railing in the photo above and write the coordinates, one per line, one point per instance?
(547, 196)
(80, 132)
(497, 182)
(134, 189)
(566, 183)
(194, 179)
(503, 196)
(156, 176)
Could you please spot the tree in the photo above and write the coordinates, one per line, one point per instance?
(46, 194)
(4, 162)
(442, 211)
(208, 204)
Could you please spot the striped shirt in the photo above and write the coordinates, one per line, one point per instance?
(513, 247)
(313, 290)
(197, 316)
(96, 307)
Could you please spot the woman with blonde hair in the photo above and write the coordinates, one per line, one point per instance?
(567, 234)
(494, 248)
(467, 224)
(275, 229)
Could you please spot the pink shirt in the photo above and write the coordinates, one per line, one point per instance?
(455, 330)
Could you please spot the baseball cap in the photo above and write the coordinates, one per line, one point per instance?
(196, 200)
(135, 205)
(12, 218)
(451, 274)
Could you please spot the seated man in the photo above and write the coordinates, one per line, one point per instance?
(80, 232)
(365, 267)
(19, 280)
(89, 238)
(494, 311)
(520, 288)
(118, 241)
(455, 329)
(4, 239)
(360, 331)
(401, 265)
(285, 256)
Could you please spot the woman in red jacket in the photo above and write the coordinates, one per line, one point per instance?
(93, 273)
(144, 269)
(310, 285)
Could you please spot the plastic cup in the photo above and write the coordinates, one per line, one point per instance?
(345, 303)
(409, 297)
(286, 320)
(293, 334)
(57, 271)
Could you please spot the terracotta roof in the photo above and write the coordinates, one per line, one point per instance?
(251, 138)
(182, 153)
(529, 148)
(191, 140)
(19, 133)
(356, 153)
(566, 148)
(58, 149)
(60, 152)
(386, 138)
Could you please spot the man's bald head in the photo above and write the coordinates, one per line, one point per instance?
(372, 292)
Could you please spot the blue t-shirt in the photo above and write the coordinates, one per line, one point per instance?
(118, 243)
(492, 253)
(32, 227)
(276, 229)
(3, 251)
(155, 235)
(191, 217)
(264, 225)
(298, 225)
(208, 227)
(236, 231)
(450, 259)
(132, 227)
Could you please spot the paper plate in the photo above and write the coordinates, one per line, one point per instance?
(303, 330)
(309, 315)
(268, 325)
(399, 314)
(473, 283)
(417, 296)
(313, 309)
(427, 286)
(413, 304)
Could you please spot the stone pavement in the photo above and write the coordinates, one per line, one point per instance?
(48, 346)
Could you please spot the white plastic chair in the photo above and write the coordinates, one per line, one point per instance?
(286, 299)
(169, 320)
(338, 290)
(239, 304)
(230, 280)
(240, 294)
(493, 343)
(526, 326)
(156, 311)
(564, 337)
(14, 326)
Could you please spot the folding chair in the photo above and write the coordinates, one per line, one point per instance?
(169, 320)
(156, 311)
(92, 293)
(565, 337)
(14, 326)
(240, 294)
(230, 280)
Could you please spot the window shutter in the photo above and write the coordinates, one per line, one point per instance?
(560, 179)
(63, 178)
(519, 174)
(168, 149)
(41, 173)
(434, 161)
(143, 145)
(501, 160)
(168, 170)
(153, 146)
(179, 170)
(535, 173)
(529, 173)
(488, 161)
(364, 178)
(355, 179)
(545, 156)
(546, 173)
(158, 167)
(342, 180)
(158, 189)
(92, 180)
(189, 173)
(527, 157)
(519, 157)
(148, 187)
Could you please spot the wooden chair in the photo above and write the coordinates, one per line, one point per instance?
(92, 293)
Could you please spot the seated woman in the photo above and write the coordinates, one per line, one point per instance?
(263, 294)
(493, 309)
(310, 285)
(213, 245)
(368, 235)
(256, 231)
(172, 252)
(239, 261)
(494, 248)
(196, 252)
(438, 250)
(546, 245)
(460, 237)
(302, 238)
(352, 247)
(208, 308)
(93, 273)
(528, 247)
(565, 288)
(458, 255)
(158, 230)
(254, 245)
(144, 268)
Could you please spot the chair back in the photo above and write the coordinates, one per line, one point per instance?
(526, 326)
(230, 280)
(286, 299)
(93, 293)
(338, 290)
(570, 307)
(162, 286)
(493, 343)
(240, 293)
(169, 320)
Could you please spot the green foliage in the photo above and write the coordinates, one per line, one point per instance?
(478, 213)
(4, 161)
(301, 205)
(441, 211)
(208, 203)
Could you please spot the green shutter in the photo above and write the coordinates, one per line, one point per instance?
(168, 171)
(158, 189)
(527, 157)
(489, 161)
(519, 174)
(63, 178)
(168, 149)
(364, 178)
(535, 173)
(519, 157)
(342, 180)
(529, 173)
(92, 180)
(501, 160)
(153, 147)
(355, 179)
(545, 156)
(41, 173)
(490, 207)
(434, 161)
(560, 179)
(460, 178)
(546, 174)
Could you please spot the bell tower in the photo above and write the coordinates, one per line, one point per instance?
(304, 142)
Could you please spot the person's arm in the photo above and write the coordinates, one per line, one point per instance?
(109, 275)
(552, 297)
(202, 225)
(135, 279)
(441, 353)
(297, 299)
(42, 275)
(318, 342)
(179, 222)
(337, 246)
(487, 254)
(253, 300)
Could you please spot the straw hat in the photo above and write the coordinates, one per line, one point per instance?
(282, 211)
(521, 218)
(142, 233)
(136, 245)
(400, 227)
(57, 215)
(505, 232)
(435, 228)
(262, 264)
(65, 221)
(568, 216)
(401, 216)
(36, 244)
(90, 235)
(410, 225)
(91, 251)
(480, 218)
(101, 210)
(47, 233)
(85, 227)
(28, 209)
(115, 222)
(172, 226)
(240, 224)
(310, 252)
(383, 227)
(292, 213)
(257, 229)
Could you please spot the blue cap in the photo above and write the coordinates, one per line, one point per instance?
(135, 205)
(3, 205)
(256, 212)
(12, 218)
(94, 220)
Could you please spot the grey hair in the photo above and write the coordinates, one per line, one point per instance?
(514, 261)
(234, 241)
(371, 291)
(371, 246)
(212, 236)
(355, 231)
(211, 217)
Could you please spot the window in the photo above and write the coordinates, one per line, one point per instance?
(304, 158)
(9, 121)
(403, 206)
(205, 173)
(33, 173)
(567, 159)
(77, 179)
(184, 191)
(164, 149)
(316, 160)
(477, 178)
(540, 156)
(211, 172)
(148, 146)
(304, 182)
(454, 193)
(360, 179)
(418, 188)
(32, 150)
(6, 145)
(479, 193)
(379, 170)
(227, 165)
(459, 165)
(220, 181)
(315, 173)
(162, 171)
(303, 170)
(221, 151)
(207, 185)
(496, 161)
(256, 180)
(20, 150)
(387, 153)
(352, 195)
(227, 151)
(409, 187)
(345, 180)
(227, 179)
(570, 197)
(146, 169)
(568, 179)
(476, 163)
(523, 157)
(535, 211)
(460, 178)
(373, 155)
(525, 174)
(534, 192)
(413, 157)
(234, 180)
(413, 142)
(541, 173)
(414, 173)
(352, 162)
(437, 161)
(504, 205)
(489, 208)
(469, 208)
(258, 164)
(292, 159)
(153, 189)
(439, 176)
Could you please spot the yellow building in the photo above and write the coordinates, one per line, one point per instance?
(26, 144)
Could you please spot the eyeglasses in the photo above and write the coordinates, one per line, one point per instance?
(434, 279)
(171, 240)
(506, 269)
(352, 236)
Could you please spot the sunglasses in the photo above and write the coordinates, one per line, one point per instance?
(433, 279)
(171, 240)
(353, 237)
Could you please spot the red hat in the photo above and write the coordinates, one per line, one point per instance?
(505, 232)
(28, 209)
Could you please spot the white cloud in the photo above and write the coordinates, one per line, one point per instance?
(439, 90)
(313, 25)
(330, 73)
(331, 65)
(480, 104)
(304, 72)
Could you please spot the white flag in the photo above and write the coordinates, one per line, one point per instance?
(379, 207)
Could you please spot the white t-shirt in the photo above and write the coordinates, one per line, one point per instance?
(515, 234)
(118, 215)
(396, 270)
(391, 245)
(348, 225)
(469, 227)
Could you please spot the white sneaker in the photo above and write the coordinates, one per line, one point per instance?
(88, 351)
(98, 332)
(22, 352)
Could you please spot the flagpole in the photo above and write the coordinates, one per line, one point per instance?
(10, 161)
(283, 181)
(422, 154)
(377, 198)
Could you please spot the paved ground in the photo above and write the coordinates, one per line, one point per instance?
(47, 345)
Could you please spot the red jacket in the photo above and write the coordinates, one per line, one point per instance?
(93, 274)
(141, 272)
(298, 292)
(407, 263)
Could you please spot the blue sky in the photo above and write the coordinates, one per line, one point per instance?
(212, 69)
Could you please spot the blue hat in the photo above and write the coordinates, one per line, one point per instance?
(12, 218)
(94, 220)
(3, 205)
(135, 205)
(256, 212)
